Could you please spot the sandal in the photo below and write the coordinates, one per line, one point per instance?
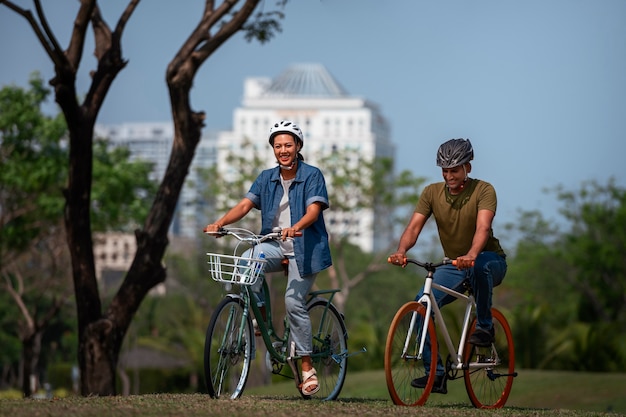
(309, 379)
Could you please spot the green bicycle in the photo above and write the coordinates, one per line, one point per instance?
(230, 345)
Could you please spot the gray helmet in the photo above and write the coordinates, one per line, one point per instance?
(454, 153)
(286, 126)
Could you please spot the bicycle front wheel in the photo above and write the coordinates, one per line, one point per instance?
(228, 350)
(490, 386)
(330, 348)
(402, 364)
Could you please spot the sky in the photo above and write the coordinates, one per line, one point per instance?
(539, 86)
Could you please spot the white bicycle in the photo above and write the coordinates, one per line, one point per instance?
(488, 372)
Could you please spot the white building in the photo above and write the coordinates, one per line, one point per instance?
(331, 120)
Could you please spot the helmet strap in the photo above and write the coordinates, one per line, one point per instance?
(462, 186)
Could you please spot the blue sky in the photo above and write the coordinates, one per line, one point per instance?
(539, 86)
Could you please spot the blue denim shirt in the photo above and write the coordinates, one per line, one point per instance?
(311, 251)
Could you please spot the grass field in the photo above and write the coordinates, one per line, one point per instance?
(599, 392)
(534, 393)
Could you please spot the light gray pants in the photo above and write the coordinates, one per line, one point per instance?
(295, 295)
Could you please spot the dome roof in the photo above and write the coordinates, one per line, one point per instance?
(305, 80)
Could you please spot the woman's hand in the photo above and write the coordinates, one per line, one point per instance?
(212, 228)
(290, 232)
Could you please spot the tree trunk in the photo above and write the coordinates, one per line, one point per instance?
(100, 334)
(31, 349)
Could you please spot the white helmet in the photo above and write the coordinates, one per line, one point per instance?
(286, 126)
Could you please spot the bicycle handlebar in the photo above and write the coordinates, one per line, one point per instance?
(429, 266)
(248, 236)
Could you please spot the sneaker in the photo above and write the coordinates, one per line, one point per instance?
(482, 337)
(439, 387)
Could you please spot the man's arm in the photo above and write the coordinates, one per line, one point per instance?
(408, 238)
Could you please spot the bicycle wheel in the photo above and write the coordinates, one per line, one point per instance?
(403, 365)
(228, 350)
(489, 387)
(330, 348)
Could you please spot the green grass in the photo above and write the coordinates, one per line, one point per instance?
(600, 392)
(535, 393)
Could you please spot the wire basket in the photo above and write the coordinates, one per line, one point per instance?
(235, 269)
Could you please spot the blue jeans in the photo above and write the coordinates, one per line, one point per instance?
(488, 272)
(295, 296)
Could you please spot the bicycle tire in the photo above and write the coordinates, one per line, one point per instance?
(490, 387)
(330, 348)
(227, 362)
(401, 370)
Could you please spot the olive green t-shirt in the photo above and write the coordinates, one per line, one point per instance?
(456, 215)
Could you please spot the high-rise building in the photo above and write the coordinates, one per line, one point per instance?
(152, 141)
(332, 121)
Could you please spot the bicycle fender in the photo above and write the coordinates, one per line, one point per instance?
(313, 300)
(252, 339)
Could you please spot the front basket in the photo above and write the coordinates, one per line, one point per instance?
(235, 269)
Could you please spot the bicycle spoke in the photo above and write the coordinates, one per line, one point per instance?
(489, 379)
(227, 352)
(401, 359)
(330, 348)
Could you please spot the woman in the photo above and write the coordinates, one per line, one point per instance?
(291, 196)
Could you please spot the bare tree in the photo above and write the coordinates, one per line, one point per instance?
(101, 330)
(39, 267)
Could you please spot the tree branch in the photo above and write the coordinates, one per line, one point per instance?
(55, 55)
(46, 27)
(20, 302)
(77, 40)
(101, 33)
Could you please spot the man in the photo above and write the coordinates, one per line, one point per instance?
(464, 209)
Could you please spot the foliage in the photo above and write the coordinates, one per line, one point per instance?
(33, 170)
(595, 247)
(575, 276)
(357, 184)
(221, 190)
(34, 262)
(122, 189)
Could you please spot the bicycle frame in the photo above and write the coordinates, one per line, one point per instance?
(428, 299)
(266, 327)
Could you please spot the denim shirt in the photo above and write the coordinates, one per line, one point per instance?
(311, 251)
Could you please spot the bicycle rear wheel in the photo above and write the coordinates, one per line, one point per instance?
(489, 387)
(228, 350)
(403, 365)
(330, 348)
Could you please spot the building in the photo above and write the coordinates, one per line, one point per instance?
(332, 121)
(113, 254)
(152, 141)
